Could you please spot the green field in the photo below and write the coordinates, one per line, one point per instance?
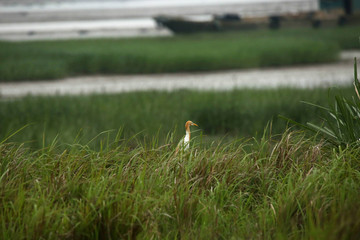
(104, 166)
(57, 59)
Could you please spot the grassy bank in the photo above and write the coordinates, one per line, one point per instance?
(238, 113)
(58, 59)
(292, 188)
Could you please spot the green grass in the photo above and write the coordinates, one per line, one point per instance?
(238, 113)
(57, 59)
(292, 188)
(289, 186)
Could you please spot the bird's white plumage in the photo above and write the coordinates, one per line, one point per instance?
(186, 141)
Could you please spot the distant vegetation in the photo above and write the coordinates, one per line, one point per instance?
(203, 52)
(238, 113)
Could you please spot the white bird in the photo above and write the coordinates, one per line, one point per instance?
(184, 143)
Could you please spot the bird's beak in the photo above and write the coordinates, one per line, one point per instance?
(195, 124)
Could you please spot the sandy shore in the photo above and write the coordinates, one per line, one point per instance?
(325, 75)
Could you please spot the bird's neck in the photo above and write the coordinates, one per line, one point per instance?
(188, 133)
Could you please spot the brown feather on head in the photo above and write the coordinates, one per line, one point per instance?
(190, 123)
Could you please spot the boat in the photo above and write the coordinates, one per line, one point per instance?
(234, 22)
(226, 22)
(184, 25)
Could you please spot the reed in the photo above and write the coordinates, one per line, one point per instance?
(292, 187)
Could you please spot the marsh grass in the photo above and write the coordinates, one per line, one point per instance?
(253, 189)
(203, 52)
(238, 113)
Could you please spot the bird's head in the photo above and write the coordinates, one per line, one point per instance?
(190, 123)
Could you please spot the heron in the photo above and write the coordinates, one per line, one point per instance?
(184, 142)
